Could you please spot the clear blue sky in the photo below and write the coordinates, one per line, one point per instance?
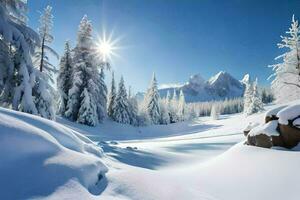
(178, 38)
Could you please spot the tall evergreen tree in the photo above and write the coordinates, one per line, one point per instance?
(133, 108)
(112, 98)
(64, 79)
(87, 113)
(181, 107)
(122, 112)
(164, 111)
(286, 84)
(19, 42)
(44, 81)
(256, 102)
(85, 76)
(151, 102)
(41, 59)
(247, 94)
(174, 108)
(101, 96)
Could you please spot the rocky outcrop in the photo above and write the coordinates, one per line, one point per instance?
(278, 129)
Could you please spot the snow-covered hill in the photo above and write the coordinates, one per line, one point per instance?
(38, 158)
(218, 87)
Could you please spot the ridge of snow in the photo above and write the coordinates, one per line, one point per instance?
(216, 77)
(38, 156)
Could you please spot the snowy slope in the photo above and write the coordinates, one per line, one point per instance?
(220, 86)
(211, 164)
(40, 157)
(202, 159)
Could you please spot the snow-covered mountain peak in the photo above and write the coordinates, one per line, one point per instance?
(220, 86)
(245, 79)
(220, 77)
(196, 79)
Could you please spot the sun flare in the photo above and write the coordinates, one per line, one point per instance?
(106, 47)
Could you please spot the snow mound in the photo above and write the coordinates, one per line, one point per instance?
(39, 156)
(268, 129)
(274, 111)
(288, 113)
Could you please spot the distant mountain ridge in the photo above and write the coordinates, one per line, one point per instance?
(197, 89)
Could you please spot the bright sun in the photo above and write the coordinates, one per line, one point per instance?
(106, 47)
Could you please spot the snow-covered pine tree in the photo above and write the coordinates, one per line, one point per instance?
(214, 113)
(248, 93)
(112, 98)
(85, 74)
(174, 108)
(192, 114)
(181, 111)
(168, 104)
(122, 112)
(20, 41)
(151, 102)
(164, 112)
(43, 89)
(87, 112)
(41, 57)
(256, 102)
(64, 79)
(286, 83)
(101, 96)
(133, 108)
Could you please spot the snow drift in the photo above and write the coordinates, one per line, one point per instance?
(38, 156)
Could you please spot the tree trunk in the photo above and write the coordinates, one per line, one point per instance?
(42, 55)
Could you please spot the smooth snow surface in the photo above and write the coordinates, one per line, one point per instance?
(203, 159)
(39, 156)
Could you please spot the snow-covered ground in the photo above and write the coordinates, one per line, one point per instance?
(203, 159)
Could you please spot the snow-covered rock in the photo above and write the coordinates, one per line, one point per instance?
(272, 114)
(288, 113)
(219, 87)
(39, 156)
(268, 129)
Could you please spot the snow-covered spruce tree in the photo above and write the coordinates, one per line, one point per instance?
(112, 98)
(64, 79)
(214, 113)
(133, 108)
(286, 83)
(174, 108)
(85, 75)
(168, 105)
(164, 112)
(151, 102)
(41, 57)
(256, 102)
(247, 94)
(101, 96)
(181, 111)
(19, 75)
(192, 114)
(87, 113)
(43, 89)
(122, 112)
